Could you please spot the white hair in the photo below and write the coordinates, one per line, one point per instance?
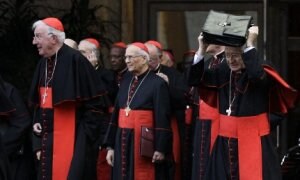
(141, 52)
(61, 36)
(158, 51)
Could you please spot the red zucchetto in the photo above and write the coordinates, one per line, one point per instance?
(93, 41)
(140, 45)
(119, 45)
(54, 23)
(155, 43)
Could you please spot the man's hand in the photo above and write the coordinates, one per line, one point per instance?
(38, 155)
(202, 45)
(157, 156)
(110, 157)
(165, 77)
(252, 36)
(93, 58)
(37, 128)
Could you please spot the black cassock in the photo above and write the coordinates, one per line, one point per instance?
(251, 93)
(151, 95)
(74, 84)
(204, 133)
(178, 92)
(16, 161)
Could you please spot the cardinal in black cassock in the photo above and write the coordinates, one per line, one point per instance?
(69, 104)
(143, 100)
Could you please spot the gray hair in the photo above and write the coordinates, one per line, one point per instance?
(61, 36)
(159, 52)
(91, 46)
(145, 54)
(141, 52)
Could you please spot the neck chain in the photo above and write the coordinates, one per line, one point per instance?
(46, 77)
(127, 109)
(230, 102)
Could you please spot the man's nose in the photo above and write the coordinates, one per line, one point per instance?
(113, 60)
(34, 41)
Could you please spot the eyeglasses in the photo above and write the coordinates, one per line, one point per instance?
(132, 57)
(232, 55)
(38, 36)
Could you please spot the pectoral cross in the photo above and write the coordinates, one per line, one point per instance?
(127, 109)
(44, 96)
(228, 111)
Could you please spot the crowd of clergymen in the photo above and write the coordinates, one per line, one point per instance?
(205, 118)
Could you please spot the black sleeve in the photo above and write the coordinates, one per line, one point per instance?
(111, 85)
(18, 124)
(36, 139)
(109, 140)
(162, 111)
(253, 65)
(178, 89)
(195, 73)
(93, 116)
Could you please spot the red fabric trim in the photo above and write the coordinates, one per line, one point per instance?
(7, 112)
(111, 109)
(188, 115)
(143, 167)
(103, 169)
(176, 147)
(248, 130)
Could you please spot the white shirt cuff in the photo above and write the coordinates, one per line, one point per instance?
(248, 49)
(197, 58)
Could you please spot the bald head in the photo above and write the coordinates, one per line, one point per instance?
(70, 42)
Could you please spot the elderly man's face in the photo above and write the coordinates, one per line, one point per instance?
(44, 41)
(166, 60)
(88, 51)
(135, 61)
(234, 58)
(117, 59)
(154, 57)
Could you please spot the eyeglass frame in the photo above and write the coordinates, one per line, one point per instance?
(39, 36)
(133, 57)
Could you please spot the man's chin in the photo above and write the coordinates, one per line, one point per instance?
(235, 68)
(130, 69)
(41, 53)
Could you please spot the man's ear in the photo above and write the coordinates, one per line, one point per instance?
(145, 61)
(160, 58)
(54, 39)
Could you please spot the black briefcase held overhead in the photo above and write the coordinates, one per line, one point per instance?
(226, 29)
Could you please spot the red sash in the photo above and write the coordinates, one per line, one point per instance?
(143, 168)
(208, 112)
(248, 131)
(63, 134)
